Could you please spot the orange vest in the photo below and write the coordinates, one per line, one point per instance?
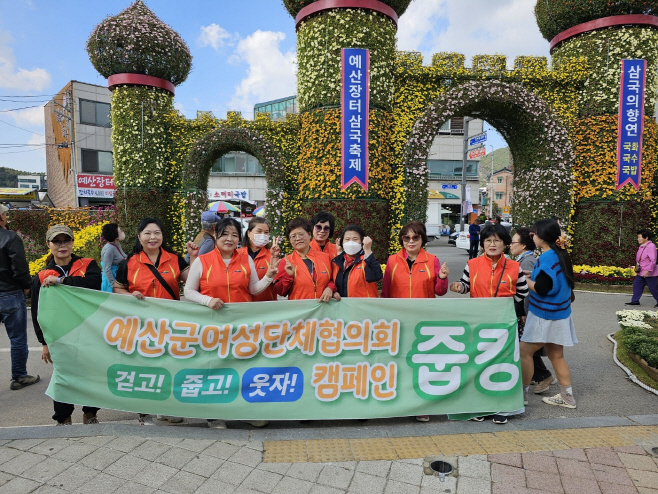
(417, 283)
(484, 281)
(357, 286)
(262, 263)
(228, 283)
(140, 278)
(79, 268)
(304, 287)
(330, 249)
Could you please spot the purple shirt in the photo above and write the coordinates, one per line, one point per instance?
(646, 258)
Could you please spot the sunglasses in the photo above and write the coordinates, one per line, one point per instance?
(322, 228)
(415, 238)
(59, 243)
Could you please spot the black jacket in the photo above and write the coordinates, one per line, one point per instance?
(14, 270)
(373, 271)
(92, 279)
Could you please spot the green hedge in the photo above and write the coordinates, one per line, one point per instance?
(643, 343)
(294, 6)
(555, 16)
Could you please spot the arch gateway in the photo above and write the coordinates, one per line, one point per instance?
(559, 121)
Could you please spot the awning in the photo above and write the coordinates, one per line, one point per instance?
(435, 194)
(17, 194)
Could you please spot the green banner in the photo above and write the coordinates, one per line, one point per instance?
(285, 360)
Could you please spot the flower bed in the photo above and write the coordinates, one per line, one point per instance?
(640, 338)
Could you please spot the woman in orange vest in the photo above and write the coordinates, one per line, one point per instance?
(493, 275)
(413, 272)
(323, 229)
(63, 267)
(356, 271)
(306, 273)
(256, 243)
(227, 274)
(153, 270)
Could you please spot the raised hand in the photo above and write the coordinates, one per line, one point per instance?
(445, 271)
(274, 267)
(290, 269)
(367, 246)
(275, 250)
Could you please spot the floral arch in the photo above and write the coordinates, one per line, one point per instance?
(540, 144)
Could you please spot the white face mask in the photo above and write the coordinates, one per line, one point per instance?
(261, 239)
(351, 248)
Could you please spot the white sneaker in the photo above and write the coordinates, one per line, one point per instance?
(216, 424)
(558, 401)
(255, 423)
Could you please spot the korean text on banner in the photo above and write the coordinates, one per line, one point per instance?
(631, 123)
(355, 104)
(283, 360)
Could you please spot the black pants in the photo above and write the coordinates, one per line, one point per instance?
(65, 410)
(541, 372)
(473, 251)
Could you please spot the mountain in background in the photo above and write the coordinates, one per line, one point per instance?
(502, 158)
(8, 176)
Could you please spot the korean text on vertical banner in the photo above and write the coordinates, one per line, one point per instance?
(631, 122)
(355, 103)
(282, 360)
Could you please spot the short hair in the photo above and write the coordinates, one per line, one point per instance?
(299, 223)
(416, 227)
(225, 223)
(256, 220)
(207, 226)
(110, 232)
(645, 233)
(352, 228)
(525, 238)
(323, 217)
(495, 229)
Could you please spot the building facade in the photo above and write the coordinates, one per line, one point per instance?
(79, 146)
(501, 183)
(37, 182)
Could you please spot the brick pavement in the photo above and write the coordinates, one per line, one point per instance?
(141, 463)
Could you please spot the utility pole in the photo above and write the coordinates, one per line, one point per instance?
(464, 163)
(491, 182)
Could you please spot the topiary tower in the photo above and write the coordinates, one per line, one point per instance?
(604, 33)
(324, 27)
(143, 60)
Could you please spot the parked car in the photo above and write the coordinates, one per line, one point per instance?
(452, 238)
(463, 241)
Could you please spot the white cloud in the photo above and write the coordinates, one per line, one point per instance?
(37, 139)
(12, 77)
(216, 36)
(472, 27)
(271, 73)
(29, 116)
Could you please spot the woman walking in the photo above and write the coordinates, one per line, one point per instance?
(492, 275)
(63, 267)
(112, 254)
(549, 323)
(645, 268)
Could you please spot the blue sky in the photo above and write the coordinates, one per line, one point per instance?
(243, 53)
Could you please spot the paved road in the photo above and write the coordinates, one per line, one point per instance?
(599, 385)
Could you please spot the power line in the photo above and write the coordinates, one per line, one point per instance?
(27, 151)
(21, 128)
(22, 108)
(26, 96)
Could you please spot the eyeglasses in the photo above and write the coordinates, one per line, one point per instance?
(320, 228)
(493, 241)
(59, 243)
(297, 236)
(407, 238)
(152, 234)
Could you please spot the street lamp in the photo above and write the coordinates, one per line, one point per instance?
(464, 164)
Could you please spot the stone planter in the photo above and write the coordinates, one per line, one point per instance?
(652, 372)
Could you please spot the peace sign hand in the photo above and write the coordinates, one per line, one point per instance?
(274, 267)
(290, 269)
(275, 250)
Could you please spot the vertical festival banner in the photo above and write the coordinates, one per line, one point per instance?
(631, 123)
(355, 105)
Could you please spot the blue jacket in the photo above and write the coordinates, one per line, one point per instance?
(557, 303)
(474, 232)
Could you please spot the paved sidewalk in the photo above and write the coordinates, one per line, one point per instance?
(133, 459)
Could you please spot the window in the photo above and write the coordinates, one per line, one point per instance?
(452, 168)
(237, 163)
(500, 180)
(97, 161)
(499, 195)
(453, 126)
(94, 113)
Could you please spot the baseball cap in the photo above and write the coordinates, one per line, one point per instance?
(3, 209)
(209, 217)
(55, 230)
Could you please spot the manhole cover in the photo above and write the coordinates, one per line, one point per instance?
(442, 467)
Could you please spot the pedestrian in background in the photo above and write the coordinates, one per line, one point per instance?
(549, 323)
(523, 247)
(112, 254)
(474, 235)
(15, 282)
(645, 268)
(63, 267)
(205, 239)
